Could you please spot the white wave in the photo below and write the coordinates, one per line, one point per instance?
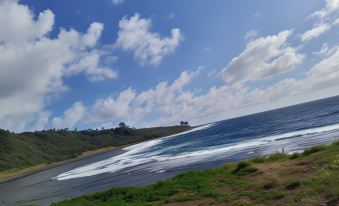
(160, 171)
(315, 130)
(128, 159)
(137, 157)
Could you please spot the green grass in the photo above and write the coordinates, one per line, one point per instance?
(309, 178)
(27, 149)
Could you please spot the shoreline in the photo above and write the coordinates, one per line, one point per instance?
(14, 174)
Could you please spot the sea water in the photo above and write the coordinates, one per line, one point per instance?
(289, 129)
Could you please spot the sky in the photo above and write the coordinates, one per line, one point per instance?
(92, 64)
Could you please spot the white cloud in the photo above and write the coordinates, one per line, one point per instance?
(170, 16)
(110, 108)
(326, 70)
(71, 116)
(251, 34)
(33, 65)
(336, 22)
(332, 6)
(206, 49)
(89, 64)
(116, 2)
(131, 106)
(18, 23)
(41, 121)
(314, 32)
(93, 34)
(257, 14)
(325, 50)
(148, 48)
(262, 58)
(327, 18)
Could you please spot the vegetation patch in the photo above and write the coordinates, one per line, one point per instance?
(292, 185)
(314, 149)
(241, 167)
(270, 185)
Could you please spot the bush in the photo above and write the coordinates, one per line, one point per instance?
(295, 156)
(241, 166)
(259, 160)
(223, 198)
(314, 149)
(269, 185)
(292, 185)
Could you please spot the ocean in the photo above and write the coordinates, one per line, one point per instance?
(291, 129)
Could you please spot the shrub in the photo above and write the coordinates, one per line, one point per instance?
(241, 166)
(292, 185)
(223, 198)
(295, 156)
(259, 160)
(314, 149)
(269, 185)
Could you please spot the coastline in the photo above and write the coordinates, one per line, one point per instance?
(14, 174)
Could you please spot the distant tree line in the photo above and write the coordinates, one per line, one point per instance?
(122, 129)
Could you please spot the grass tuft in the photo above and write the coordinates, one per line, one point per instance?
(241, 166)
(314, 149)
(293, 185)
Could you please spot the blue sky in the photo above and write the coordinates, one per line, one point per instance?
(89, 64)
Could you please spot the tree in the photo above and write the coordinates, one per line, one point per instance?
(122, 125)
(4, 132)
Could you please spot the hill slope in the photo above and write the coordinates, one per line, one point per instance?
(310, 178)
(32, 148)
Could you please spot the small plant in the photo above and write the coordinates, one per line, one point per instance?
(223, 198)
(292, 185)
(259, 160)
(275, 196)
(295, 156)
(314, 149)
(270, 185)
(241, 166)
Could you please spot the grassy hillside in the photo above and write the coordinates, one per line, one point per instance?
(33, 148)
(310, 178)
